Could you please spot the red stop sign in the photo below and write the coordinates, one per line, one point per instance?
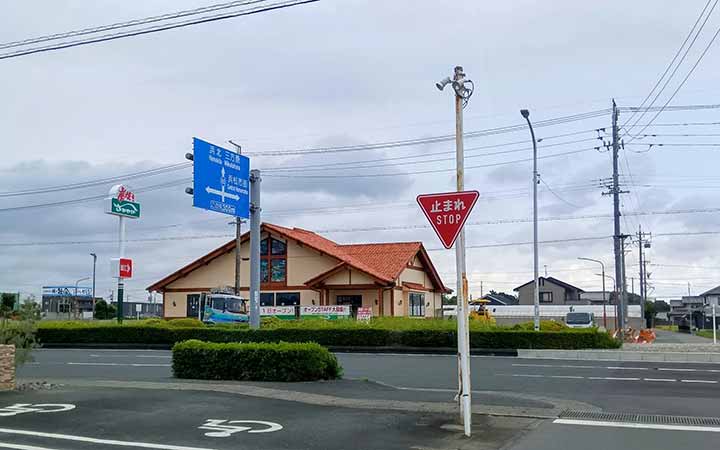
(126, 267)
(447, 212)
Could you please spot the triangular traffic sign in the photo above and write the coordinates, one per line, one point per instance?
(447, 212)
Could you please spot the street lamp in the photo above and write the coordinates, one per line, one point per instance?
(93, 279)
(536, 294)
(76, 288)
(602, 266)
(463, 90)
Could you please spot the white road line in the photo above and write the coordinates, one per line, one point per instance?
(621, 379)
(660, 379)
(130, 356)
(116, 364)
(628, 368)
(70, 437)
(677, 370)
(574, 377)
(528, 375)
(648, 426)
(22, 447)
(596, 378)
(700, 381)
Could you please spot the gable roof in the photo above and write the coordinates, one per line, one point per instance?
(713, 291)
(384, 262)
(554, 281)
(502, 298)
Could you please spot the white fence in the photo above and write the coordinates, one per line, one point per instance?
(549, 311)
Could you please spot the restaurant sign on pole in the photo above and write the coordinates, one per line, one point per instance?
(447, 212)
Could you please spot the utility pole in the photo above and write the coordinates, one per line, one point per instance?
(94, 255)
(482, 294)
(255, 223)
(462, 95)
(238, 236)
(643, 243)
(545, 265)
(618, 238)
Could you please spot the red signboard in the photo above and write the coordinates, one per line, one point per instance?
(125, 268)
(447, 212)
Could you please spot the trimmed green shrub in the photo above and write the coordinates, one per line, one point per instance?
(353, 334)
(545, 325)
(185, 322)
(254, 361)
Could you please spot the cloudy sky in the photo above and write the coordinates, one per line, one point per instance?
(338, 73)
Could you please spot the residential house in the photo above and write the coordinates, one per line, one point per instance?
(552, 292)
(597, 297)
(299, 267)
(688, 306)
(499, 299)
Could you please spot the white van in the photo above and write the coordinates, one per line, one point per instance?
(580, 320)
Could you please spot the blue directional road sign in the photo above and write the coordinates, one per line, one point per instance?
(221, 180)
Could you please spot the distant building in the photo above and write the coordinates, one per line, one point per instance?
(597, 297)
(69, 299)
(552, 292)
(687, 308)
(500, 299)
(143, 309)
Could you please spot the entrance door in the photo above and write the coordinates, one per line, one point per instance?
(355, 302)
(193, 305)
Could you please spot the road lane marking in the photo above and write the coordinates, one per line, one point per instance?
(677, 370)
(648, 426)
(528, 375)
(71, 437)
(130, 356)
(622, 378)
(116, 364)
(574, 377)
(660, 379)
(627, 368)
(700, 381)
(22, 447)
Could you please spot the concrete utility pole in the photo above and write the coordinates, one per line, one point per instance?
(618, 238)
(255, 222)
(642, 244)
(94, 255)
(536, 292)
(462, 95)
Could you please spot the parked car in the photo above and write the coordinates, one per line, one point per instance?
(580, 320)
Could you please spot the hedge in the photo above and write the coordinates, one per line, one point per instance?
(78, 333)
(254, 361)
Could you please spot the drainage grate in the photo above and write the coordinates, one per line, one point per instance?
(641, 418)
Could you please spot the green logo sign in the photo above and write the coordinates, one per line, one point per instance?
(124, 208)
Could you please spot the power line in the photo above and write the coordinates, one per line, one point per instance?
(154, 29)
(97, 182)
(677, 66)
(558, 196)
(127, 24)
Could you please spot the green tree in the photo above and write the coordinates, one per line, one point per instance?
(650, 313)
(7, 303)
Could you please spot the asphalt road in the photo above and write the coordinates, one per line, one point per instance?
(672, 337)
(173, 418)
(80, 418)
(647, 388)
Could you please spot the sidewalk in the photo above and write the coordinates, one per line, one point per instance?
(656, 352)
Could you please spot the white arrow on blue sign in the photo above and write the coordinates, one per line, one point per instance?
(221, 180)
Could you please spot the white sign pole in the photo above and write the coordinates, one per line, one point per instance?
(714, 325)
(121, 284)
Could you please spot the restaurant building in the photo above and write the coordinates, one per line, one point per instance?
(299, 267)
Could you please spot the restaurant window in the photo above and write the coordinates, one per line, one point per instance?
(287, 299)
(267, 299)
(417, 304)
(273, 261)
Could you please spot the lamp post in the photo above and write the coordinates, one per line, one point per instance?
(617, 293)
(76, 288)
(536, 293)
(93, 281)
(602, 267)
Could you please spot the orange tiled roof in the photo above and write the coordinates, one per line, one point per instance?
(382, 261)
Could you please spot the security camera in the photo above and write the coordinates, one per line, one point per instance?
(444, 82)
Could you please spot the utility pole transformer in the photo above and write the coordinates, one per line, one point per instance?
(255, 222)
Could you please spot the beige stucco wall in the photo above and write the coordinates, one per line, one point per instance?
(305, 263)
(415, 276)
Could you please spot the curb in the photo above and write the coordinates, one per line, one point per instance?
(622, 355)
